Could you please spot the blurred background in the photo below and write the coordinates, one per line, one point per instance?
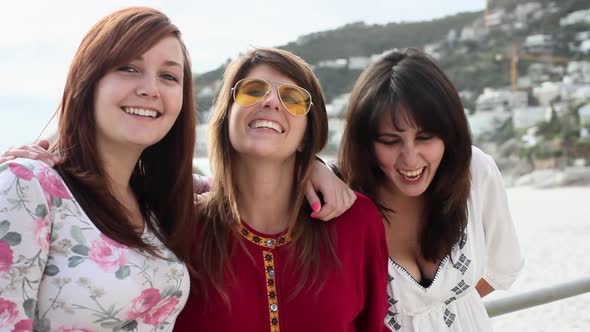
(522, 69)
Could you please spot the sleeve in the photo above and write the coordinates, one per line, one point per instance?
(25, 232)
(504, 256)
(375, 269)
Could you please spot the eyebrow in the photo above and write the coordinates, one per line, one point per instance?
(169, 63)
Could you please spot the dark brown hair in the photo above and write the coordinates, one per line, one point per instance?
(409, 84)
(161, 179)
(220, 216)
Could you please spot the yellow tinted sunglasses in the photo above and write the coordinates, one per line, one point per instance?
(249, 91)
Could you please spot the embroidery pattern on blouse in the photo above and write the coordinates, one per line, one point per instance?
(270, 271)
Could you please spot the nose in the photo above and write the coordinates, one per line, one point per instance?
(409, 155)
(148, 86)
(271, 100)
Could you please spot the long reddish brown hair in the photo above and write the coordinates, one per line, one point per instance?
(219, 214)
(162, 177)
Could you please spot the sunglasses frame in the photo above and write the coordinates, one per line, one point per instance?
(278, 86)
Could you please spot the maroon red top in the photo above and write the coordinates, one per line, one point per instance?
(353, 296)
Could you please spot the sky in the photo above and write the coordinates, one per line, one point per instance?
(39, 38)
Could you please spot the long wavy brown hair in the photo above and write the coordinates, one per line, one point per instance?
(162, 176)
(407, 84)
(219, 214)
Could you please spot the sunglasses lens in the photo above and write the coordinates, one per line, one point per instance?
(250, 91)
(295, 99)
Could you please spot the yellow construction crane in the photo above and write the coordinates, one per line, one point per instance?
(516, 56)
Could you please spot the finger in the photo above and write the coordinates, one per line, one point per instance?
(5, 159)
(17, 151)
(42, 152)
(326, 212)
(312, 197)
(44, 144)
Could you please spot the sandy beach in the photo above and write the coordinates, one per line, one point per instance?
(554, 229)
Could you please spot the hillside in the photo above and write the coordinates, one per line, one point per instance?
(474, 54)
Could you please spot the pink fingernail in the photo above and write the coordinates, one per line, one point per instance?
(313, 215)
(316, 207)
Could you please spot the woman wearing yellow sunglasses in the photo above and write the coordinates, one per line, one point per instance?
(262, 264)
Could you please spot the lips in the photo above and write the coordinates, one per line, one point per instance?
(268, 124)
(412, 175)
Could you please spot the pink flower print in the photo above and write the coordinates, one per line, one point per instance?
(161, 312)
(112, 243)
(42, 232)
(8, 314)
(25, 325)
(21, 171)
(108, 257)
(6, 257)
(140, 305)
(73, 329)
(51, 182)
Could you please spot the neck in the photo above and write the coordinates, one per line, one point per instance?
(118, 165)
(407, 209)
(264, 193)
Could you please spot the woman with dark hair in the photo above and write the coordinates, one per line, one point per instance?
(97, 243)
(451, 239)
(261, 264)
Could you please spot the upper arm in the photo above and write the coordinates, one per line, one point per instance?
(25, 233)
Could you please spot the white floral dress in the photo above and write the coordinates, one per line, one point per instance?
(489, 249)
(59, 273)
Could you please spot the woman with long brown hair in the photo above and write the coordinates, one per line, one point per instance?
(261, 264)
(97, 243)
(451, 239)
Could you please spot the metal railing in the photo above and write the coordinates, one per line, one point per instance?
(528, 299)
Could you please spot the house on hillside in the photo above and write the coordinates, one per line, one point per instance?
(358, 62)
(580, 16)
(527, 117)
(500, 100)
(528, 11)
(539, 44)
(547, 92)
(334, 63)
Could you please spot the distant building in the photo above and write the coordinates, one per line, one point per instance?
(578, 72)
(527, 117)
(486, 122)
(526, 11)
(494, 18)
(338, 105)
(547, 92)
(539, 43)
(580, 16)
(358, 62)
(492, 100)
(335, 63)
(474, 32)
(584, 113)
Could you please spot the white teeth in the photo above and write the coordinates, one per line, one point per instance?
(140, 112)
(266, 124)
(411, 174)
